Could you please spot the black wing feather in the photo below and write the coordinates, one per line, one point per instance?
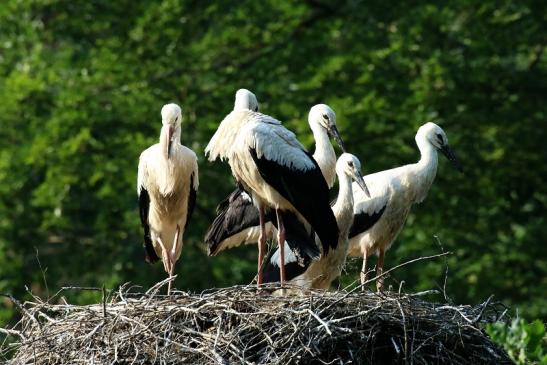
(300, 241)
(307, 191)
(271, 272)
(144, 207)
(363, 221)
(235, 214)
(191, 202)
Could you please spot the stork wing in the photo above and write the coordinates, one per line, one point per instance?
(285, 165)
(294, 266)
(367, 211)
(235, 215)
(191, 201)
(363, 221)
(144, 208)
(193, 186)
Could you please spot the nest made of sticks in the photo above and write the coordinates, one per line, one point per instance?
(243, 325)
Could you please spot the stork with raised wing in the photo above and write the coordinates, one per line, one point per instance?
(378, 219)
(237, 221)
(167, 183)
(319, 274)
(270, 163)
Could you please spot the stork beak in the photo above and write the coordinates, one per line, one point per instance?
(361, 182)
(169, 141)
(333, 132)
(447, 151)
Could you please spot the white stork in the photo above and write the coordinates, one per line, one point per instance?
(237, 221)
(379, 219)
(167, 183)
(270, 163)
(319, 274)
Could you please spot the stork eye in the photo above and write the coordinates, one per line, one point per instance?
(325, 116)
(256, 109)
(350, 163)
(440, 139)
(177, 119)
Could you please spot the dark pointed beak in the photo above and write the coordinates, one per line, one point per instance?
(451, 156)
(333, 132)
(170, 141)
(361, 182)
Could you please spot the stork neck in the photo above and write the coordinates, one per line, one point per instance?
(324, 153)
(343, 209)
(164, 138)
(426, 168)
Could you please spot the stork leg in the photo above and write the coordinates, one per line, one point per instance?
(261, 245)
(175, 251)
(380, 270)
(166, 259)
(364, 269)
(164, 255)
(281, 243)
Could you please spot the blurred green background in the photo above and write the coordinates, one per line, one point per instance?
(82, 84)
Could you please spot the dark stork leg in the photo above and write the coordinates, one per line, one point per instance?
(172, 258)
(281, 243)
(364, 269)
(380, 270)
(261, 245)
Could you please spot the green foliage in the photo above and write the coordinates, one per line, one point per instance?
(526, 343)
(82, 84)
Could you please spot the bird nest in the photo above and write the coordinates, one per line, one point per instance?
(244, 325)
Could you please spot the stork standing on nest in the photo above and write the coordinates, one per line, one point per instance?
(237, 221)
(319, 274)
(379, 219)
(270, 163)
(167, 183)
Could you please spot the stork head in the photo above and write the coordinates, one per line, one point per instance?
(323, 116)
(350, 166)
(436, 136)
(171, 117)
(245, 100)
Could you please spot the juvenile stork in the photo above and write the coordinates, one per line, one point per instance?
(167, 183)
(319, 274)
(237, 221)
(268, 162)
(379, 219)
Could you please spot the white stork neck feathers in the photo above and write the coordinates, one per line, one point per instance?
(430, 138)
(424, 171)
(320, 119)
(171, 118)
(225, 136)
(245, 106)
(343, 208)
